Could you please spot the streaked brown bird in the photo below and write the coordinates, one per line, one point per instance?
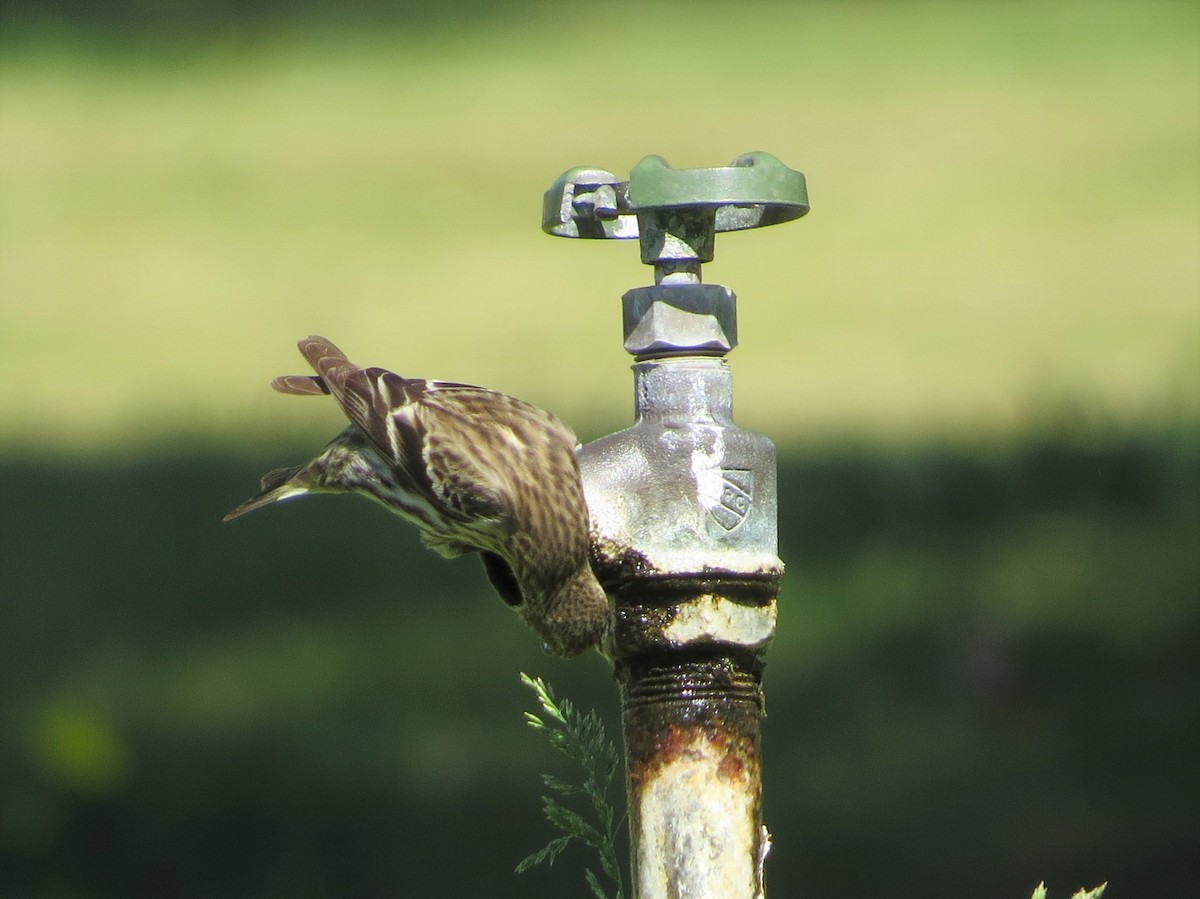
(474, 470)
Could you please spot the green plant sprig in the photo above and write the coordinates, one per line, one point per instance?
(1094, 893)
(582, 739)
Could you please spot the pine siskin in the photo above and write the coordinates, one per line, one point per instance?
(474, 470)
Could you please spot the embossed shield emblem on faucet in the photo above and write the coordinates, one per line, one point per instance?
(737, 493)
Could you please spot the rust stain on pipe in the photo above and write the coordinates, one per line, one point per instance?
(695, 789)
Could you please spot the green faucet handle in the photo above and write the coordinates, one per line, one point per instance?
(753, 191)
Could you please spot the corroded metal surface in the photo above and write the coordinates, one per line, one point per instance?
(694, 770)
(683, 520)
(691, 492)
(683, 513)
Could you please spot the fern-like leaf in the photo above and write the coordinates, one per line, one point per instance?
(1094, 893)
(594, 883)
(581, 738)
(544, 856)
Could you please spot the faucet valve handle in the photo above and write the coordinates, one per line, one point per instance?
(753, 191)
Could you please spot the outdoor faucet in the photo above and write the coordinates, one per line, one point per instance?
(683, 508)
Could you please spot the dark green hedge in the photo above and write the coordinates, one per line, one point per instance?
(986, 675)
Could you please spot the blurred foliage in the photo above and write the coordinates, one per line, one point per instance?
(1005, 204)
(199, 20)
(985, 673)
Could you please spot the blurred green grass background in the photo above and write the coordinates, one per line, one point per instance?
(979, 355)
(1005, 203)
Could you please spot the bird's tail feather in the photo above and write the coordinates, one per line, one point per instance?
(326, 359)
(301, 385)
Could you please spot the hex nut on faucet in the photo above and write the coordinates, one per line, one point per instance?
(680, 320)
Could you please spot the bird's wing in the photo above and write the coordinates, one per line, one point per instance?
(482, 448)
(431, 451)
(460, 473)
